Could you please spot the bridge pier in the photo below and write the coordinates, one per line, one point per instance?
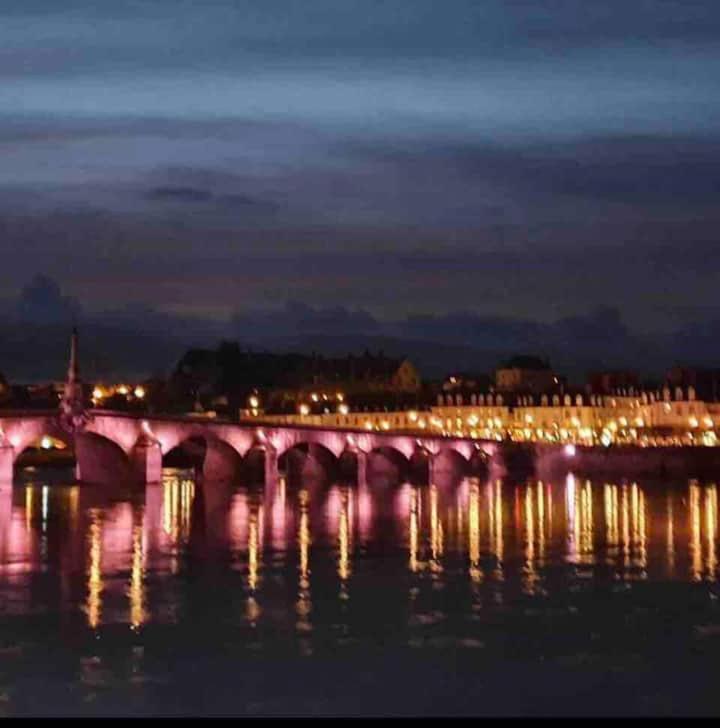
(6, 493)
(222, 462)
(153, 516)
(362, 466)
(421, 465)
(272, 470)
(432, 464)
(7, 461)
(446, 468)
(146, 460)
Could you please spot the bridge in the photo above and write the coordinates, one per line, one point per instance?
(120, 446)
(117, 446)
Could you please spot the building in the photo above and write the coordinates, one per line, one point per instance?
(366, 373)
(529, 374)
(367, 382)
(613, 382)
(233, 379)
(700, 383)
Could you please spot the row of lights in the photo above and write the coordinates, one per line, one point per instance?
(101, 392)
(619, 431)
(304, 409)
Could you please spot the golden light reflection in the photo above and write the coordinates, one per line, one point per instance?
(254, 547)
(459, 505)
(178, 497)
(304, 539)
(641, 528)
(711, 531)
(625, 527)
(634, 510)
(93, 606)
(344, 535)
(414, 529)
(496, 525)
(474, 531)
(695, 546)
(303, 606)
(612, 530)
(580, 520)
(254, 539)
(670, 550)
(28, 507)
(541, 520)
(137, 575)
(586, 521)
(702, 513)
(436, 529)
(529, 572)
(573, 527)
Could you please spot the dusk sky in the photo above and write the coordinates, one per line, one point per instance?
(517, 159)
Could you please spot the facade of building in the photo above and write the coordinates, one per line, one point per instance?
(525, 374)
(365, 382)
(647, 418)
(704, 383)
(613, 381)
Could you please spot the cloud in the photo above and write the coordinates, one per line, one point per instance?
(41, 302)
(139, 340)
(181, 194)
(526, 161)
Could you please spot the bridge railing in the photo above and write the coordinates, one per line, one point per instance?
(14, 413)
(253, 423)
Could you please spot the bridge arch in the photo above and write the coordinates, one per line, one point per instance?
(387, 465)
(46, 449)
(216, 459)
(308, 460)
(101, 460)
(448, 466)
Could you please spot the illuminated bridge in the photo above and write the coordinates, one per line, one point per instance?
(112, 445)
(115, 446)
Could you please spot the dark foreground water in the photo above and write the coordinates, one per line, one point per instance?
(490, 598)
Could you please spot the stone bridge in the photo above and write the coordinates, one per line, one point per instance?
(114, 445)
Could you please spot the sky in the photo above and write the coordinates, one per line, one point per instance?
(204, 164)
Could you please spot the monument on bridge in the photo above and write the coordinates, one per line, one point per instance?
(73, 412)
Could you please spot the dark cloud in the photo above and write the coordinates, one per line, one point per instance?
(225, 32)
(41, 301)
(181, 194)
(138, 340)
(524, 163)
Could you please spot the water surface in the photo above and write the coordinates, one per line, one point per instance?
(492, 597)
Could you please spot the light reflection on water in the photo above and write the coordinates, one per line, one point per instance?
(313, 568)
(498, 530)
